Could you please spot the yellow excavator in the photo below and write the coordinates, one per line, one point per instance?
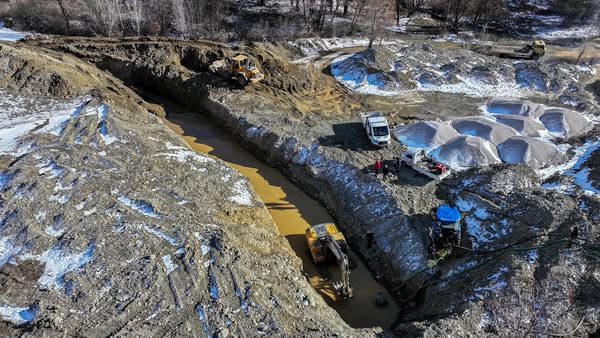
(238, 68)
(325, 243)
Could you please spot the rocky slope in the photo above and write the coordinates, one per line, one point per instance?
(516, 234)
(111, 226)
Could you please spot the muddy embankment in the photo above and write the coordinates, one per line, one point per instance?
(359, 202)
(110, 225)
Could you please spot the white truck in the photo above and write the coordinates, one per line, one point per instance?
(377, 128)
(418, 160)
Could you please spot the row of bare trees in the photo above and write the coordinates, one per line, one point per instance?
(120, 17)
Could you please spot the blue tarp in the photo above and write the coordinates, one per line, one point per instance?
(446, 213)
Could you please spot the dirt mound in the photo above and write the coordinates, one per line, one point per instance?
(398, 67)
(523, 125)
(467, 151)
(565, 123)
(487, 129)
(530, 151)
(425, 134)
(515, 107)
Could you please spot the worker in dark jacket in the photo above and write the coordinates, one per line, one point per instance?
(574, 235)
(386, 171)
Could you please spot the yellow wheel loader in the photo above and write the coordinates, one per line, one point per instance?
(325, 243)
(238, 68)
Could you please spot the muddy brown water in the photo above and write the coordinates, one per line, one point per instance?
(293, 211)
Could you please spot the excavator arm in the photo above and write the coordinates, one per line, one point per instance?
(342, 287)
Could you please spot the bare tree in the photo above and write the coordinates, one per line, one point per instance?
(412, 7)
(159, 15)
(358, 11)
(180, 17)
(594, 25)
(66, 16)
(375, 13)
(105, 15)
(135, 9)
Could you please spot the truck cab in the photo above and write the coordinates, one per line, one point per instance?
(539, 48)
(377, 128)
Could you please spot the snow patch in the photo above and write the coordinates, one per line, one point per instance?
(140, 206)
(169, 265)
(102, 113)
(241, 193)
(160, 234)
(59, 262)
(18, 315)
(8, 250)
(7, 34)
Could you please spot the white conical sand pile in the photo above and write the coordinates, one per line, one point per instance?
(533, 152)
(515, 107)
(524, 125)
(467, 151)
(565, 123)
(487, 129)
(425, 134)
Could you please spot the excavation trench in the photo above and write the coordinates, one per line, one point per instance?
(293, 211)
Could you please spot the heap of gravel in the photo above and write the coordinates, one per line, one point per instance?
(533, 152)
(564, 122)
(467, 151)
(522, 124)
(515, 107)
(425, 134)
(485, 128)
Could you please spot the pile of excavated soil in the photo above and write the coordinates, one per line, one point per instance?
(524, 108)
(425, 134)
(531, 151)
(395, 68)
(565, 123)
(523, 125)
(487, 129)
(467, 151)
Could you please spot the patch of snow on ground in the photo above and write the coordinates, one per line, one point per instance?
(7, 34)
(313, 46)
(182, 154)
(582, 180)
(465, 205)
(19, 116)
(401, 27)
(140, 206)
(160, 234)
(58, 263)
(102, 112)
(50, 167)
(4, 179)
(496, 283)
(574, 169)
(241, 193)
(169, 265)
(18, 315)
(8, 250)
(579, 32)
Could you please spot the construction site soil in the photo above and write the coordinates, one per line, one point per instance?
(518, 271)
